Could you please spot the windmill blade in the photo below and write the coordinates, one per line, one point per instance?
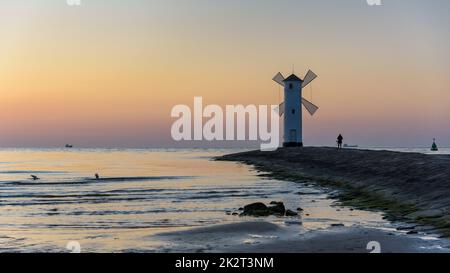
(279, 78)
(281, 109)
(309, 106)
(309, 77)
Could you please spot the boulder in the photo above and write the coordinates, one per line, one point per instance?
(255, 206)
(256, 209)
(277, 208)
(290, 213)
(260, 210)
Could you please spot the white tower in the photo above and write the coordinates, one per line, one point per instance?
(292, 107)
(293, 112)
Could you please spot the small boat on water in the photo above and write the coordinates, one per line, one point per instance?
(350, 146)
(434, 147)
(69, 146)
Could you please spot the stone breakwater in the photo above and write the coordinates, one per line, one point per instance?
(410, 187)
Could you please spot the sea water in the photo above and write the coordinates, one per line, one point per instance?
(141, 193)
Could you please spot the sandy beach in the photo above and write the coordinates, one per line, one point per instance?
(409, 187)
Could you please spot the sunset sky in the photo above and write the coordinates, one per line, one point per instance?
(107, 73)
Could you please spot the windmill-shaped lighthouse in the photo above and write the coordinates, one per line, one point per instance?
(292, 106)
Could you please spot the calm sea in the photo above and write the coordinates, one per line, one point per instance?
(140, 193)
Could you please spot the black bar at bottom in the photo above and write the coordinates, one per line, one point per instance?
(224, 262)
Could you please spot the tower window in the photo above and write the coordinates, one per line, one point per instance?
(291, 86)
(293, 111)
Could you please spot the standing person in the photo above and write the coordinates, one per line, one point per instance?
(340, 139)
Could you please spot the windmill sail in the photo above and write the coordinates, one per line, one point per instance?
(310, 106)
(312, 109)
(279, 78)
(281, 109)
(309, 77)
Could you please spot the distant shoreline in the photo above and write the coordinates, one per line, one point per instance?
(193, 148)
(408, 187)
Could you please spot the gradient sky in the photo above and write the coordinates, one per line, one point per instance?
(107, 73)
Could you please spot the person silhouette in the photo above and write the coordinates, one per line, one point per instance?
(339, 141)
(97, 176)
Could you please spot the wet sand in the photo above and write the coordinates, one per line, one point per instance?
(265, 237)
(409, 187)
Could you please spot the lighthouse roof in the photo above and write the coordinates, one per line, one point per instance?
(293, 78)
